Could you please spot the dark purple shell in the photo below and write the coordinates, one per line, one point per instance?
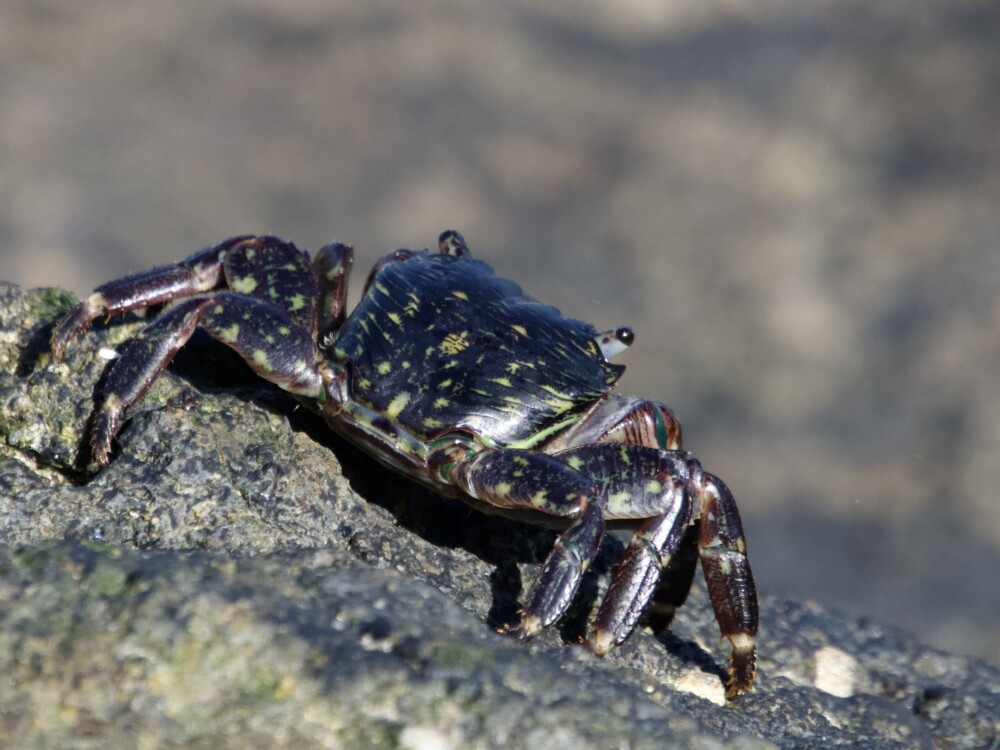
(439, 342)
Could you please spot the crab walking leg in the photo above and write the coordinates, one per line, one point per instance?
(623, 419)
(640, 484)
(515, 479)
(635, 577)
(198, 273)
(675, 583)
(273, 345)
(332, 267)
(277, 273)
(138, 365)
(728, 577)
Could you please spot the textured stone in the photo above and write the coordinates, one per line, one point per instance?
(237, 577)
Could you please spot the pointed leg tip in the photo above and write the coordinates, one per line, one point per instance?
(738, 685)
(101, 451)
(528, 627)
(600, 642)
(743, 667)
(103, 430)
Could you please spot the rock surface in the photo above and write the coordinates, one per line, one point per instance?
(794, 205)
(237, 577)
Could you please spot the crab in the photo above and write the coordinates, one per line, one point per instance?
(454, 377)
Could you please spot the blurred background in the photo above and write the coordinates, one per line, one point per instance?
(795, 205)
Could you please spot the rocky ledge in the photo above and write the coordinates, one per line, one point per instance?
(237, 577)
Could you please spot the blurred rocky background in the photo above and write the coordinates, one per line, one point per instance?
(796, 206)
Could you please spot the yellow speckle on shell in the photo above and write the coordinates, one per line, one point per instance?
(397, 405)
(244, 284)
(453, 343)
(230, 333)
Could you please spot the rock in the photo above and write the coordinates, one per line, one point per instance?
(238, 577)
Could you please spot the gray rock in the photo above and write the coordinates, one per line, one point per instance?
(238, 577)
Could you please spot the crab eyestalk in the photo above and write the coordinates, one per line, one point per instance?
(613, 343)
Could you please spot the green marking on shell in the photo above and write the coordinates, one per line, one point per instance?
(619, 503)
(230, 333)
(397, 405)
(260, 358)
(244, 284)
(296, 302)
(454, 342)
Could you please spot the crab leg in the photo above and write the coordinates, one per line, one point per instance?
(138, 365)
(658, 565)
(635, 482)
(200, 272)
(274, 345)
(332, 267)
(666, 540)
(675, 583)
(636, 575)
(622, 419)
(729, 580)
(515, 479)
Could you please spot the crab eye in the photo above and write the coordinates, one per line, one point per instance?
(452, 243)
(615, 342)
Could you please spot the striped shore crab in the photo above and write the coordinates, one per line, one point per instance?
(456, 378)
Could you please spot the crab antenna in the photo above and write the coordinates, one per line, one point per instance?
(614, 342)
